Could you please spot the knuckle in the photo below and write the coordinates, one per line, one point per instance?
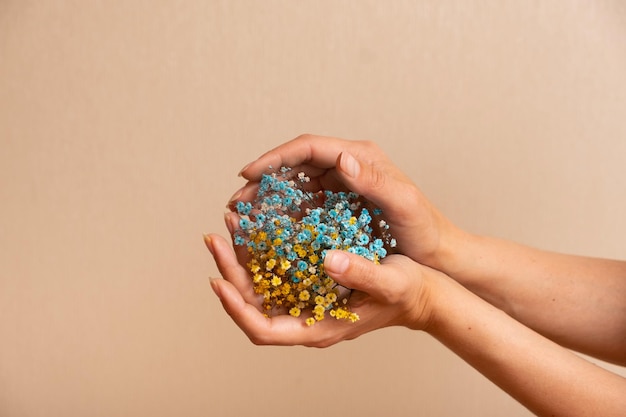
(256, 340)
(321, 344)
(364, 272)
(304, 137)
(396, 289)
(376, 177)
(393, 296)
(375, 172)
(369, 145)
(326, 342)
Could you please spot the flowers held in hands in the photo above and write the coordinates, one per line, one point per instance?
(288, 230)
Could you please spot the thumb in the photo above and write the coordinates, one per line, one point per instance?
(355, 272)
(371, 181)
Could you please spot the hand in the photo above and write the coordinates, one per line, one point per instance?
(396, 292)
(421, 231)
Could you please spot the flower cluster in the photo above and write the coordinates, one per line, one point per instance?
(288, 230)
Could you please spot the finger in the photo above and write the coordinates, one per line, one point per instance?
(288, 330)
(280, 330)
(323, 180)
(247, 316)
(363, 169)
(305, 150)
(384, 186)
(330, 181)
(247, 193)
(285, 330)
(241, 251)
(358, 273)
(230, 268)
(250, 191)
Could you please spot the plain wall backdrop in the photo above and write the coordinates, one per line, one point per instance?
(123, 125)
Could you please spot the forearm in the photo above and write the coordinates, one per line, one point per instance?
(576, 301)
(545, 377)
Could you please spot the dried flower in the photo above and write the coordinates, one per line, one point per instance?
(288, 230)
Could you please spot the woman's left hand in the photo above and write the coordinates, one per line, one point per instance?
(395, 292)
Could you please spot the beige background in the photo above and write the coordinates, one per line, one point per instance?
(123, 125)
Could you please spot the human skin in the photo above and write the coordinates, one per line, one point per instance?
(579, 302)
(543, 376)
(427, 287)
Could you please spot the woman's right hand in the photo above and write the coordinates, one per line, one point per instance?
(421, 231)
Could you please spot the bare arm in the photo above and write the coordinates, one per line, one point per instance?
(545, 377)
(577, 302)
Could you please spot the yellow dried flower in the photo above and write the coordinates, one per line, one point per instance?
(270, 264)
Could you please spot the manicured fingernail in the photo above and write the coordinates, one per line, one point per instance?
(337, 262)
(349, 165)
(243, 169)
(229, 222)
(209, 243)
(215, 287)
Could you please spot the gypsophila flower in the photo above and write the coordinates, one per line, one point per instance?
(287, 232)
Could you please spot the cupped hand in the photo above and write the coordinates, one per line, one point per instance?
(422, 232)
(395, 292)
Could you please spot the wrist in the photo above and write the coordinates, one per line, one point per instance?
(450, 253)
(441, 297)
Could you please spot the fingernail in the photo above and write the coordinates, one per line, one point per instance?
(243, 169)
(229, 224)
(337, 262)
(209, 243)
(215, 287)
(349, 165)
